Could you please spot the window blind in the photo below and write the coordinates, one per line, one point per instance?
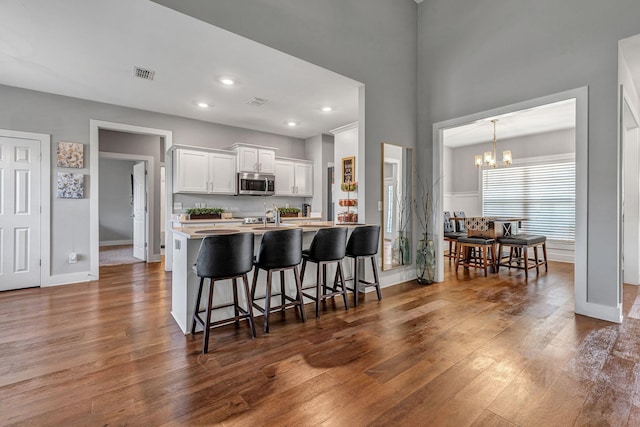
(545, 194)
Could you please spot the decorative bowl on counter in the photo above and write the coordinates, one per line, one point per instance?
(349, 186)
(348, 202)
(348, 217)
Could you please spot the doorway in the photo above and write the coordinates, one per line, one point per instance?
(125, 183)
(95, 127)
(582, 306)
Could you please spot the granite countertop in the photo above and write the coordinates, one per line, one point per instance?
(198, 232)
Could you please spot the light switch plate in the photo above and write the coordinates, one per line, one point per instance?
(177, 205)
(379, 206)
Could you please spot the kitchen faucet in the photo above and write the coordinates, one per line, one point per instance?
(276, 215)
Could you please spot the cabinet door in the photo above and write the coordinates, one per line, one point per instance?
(248, 159)
(267, 161)
(222, 173)
(285, 177)
(192, 171)
(303, 185)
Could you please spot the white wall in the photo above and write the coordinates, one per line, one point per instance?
(116, 223)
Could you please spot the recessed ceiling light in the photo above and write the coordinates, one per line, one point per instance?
(292, 124)
(203, 105)
(227, 81)
(327, 109)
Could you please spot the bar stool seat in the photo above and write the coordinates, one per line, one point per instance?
(327, 247)
(280, 250)
(519, 245)
(485, 257)
(224, 257)
(363, 244)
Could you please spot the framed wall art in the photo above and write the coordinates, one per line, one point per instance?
(70, 155)
(70, 185)
(348, 169)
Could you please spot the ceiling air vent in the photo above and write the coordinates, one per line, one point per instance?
(143, 73)
(256, 101)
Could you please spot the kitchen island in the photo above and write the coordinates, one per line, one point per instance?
(184, 282)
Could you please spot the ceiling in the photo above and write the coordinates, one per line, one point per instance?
(88, 49)
(545, 118)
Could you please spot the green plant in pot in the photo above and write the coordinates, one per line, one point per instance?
(288, 212)
(204, 213)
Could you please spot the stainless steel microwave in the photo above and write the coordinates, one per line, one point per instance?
(256, 184)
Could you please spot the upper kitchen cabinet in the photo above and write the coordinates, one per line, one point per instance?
(294, 178)
(210, 172)
(253, 158)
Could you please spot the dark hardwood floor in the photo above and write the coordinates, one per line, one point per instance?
(470, 351)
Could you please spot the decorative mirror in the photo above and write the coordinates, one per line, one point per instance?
(397, 200)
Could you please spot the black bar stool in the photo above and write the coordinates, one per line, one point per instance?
(363, 244)
(484, 258)
(220, 258)
(520, 244)
(279, 250)
(327, 247)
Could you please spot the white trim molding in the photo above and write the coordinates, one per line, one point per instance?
(94, 159)
(582, 306)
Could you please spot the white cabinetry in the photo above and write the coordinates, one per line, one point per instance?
(294, 178)
(212, 172)
(252, 158)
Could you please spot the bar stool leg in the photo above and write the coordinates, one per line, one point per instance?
(356, 280)
(525, 255)
(535, 255)
(374, 265)
(299, 296)
(256, 270)
(207, 322)
(544, 253)
(282, 292)
(344, 288)
(318, 286)
(195, 311)
(236, 312)
(252, 323)
(267, 302)
(483, 252)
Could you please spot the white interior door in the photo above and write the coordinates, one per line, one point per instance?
(19, 213)
(140, 210)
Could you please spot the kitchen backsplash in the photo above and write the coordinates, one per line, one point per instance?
(240, 206)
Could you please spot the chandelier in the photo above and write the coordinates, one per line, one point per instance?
(490, 159)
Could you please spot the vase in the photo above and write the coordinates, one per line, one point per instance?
(426, 262)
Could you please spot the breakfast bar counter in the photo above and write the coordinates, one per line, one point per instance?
(186, 243)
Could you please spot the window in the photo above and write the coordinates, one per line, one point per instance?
(545, 194)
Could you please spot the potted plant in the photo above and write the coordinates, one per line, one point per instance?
(204, 213)
(289, 212)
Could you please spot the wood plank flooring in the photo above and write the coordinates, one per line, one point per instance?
(473, 351)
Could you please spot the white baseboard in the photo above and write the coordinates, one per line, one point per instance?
(67, 279)
(603, 312)
(116, 242)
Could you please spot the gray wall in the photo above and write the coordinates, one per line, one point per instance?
(463, 174)
(371, 41)
(144, 145)
(67, 119)
(475, 56)
(116, 223)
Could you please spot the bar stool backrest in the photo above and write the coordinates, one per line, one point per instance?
(363, 241)
(225, 255)
(329, 244)
(460, 222)
(280, 249)
(449, 227)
